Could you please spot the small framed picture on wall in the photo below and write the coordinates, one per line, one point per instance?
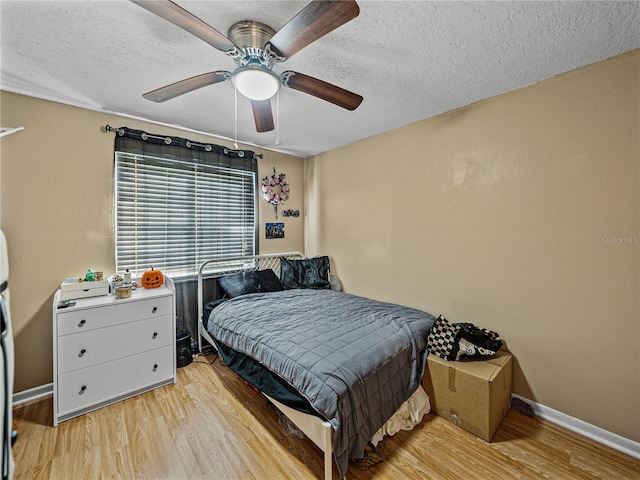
(274, 230)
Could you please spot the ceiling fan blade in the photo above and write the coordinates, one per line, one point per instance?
(263, 115)
(187, 85)
(321, 89)
(312, 22)
(189, 22)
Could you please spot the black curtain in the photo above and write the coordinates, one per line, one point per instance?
(187, 302)
(177, 148)
(143, 143)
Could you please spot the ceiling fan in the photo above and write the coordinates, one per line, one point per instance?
(256, 48)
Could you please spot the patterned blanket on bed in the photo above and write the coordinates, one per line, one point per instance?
(354, 359)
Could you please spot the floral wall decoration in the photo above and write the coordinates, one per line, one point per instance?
(275, 189)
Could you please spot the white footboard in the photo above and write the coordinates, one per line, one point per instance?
(314, 428)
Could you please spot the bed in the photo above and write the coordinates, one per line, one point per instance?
(337, 365)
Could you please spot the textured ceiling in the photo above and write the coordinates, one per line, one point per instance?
(409, 60)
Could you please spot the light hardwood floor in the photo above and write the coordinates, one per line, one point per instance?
(211, 426)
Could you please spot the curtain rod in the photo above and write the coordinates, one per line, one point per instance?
(9, 130)
(167, 140)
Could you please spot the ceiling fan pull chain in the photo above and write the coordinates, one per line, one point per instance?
(235, 110)
(278, 117)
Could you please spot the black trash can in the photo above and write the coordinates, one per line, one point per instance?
(183, 348)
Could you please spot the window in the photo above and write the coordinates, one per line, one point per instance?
(174, 213)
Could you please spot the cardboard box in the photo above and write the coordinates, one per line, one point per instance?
(70, 291)
(473, 394)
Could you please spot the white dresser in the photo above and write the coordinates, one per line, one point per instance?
(107, 349)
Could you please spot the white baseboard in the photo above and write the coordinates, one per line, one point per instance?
(598, 434)
(32, 395)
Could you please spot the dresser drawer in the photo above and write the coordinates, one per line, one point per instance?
(86, 349)
(81, 388)
(82, 320)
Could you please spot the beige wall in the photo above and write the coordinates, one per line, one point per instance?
(519, 213)
(56, 199)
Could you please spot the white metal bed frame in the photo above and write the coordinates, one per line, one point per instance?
(319, 431)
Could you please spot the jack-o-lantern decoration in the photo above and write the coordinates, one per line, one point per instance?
(152, 278)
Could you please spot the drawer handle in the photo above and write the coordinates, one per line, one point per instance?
(155, 309)
(155, 334)
(81, 324)
(82, 352)
(82, 389)
(155, 367)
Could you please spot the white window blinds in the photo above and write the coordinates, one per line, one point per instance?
(174, 214)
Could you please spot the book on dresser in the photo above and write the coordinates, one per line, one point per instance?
(107, 349)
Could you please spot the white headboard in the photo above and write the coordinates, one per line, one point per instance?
(227, 266)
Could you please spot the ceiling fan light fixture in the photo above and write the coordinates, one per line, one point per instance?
(256, 82)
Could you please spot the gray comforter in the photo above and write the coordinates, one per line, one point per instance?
(354, 359)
